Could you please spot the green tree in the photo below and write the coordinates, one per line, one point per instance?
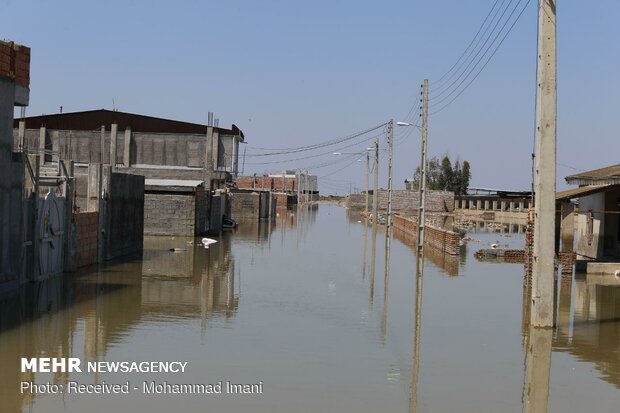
(465, 178)
(446, 174)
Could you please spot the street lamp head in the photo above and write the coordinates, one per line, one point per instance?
(404, 124)
(337, 153)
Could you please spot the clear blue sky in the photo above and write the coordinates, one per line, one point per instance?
(291, 73)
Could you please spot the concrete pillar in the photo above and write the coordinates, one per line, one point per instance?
(512, 206)
(208, 158)
(113, 139)
(94, 188)
(22, 135)
(486, 204)
(494, 205)
(521, 206)
(42, 135)
(127, 148)
(503, 205)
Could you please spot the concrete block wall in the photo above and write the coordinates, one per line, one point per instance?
(441, 239)
(245, 205)
(405, 201)
(86, 224)
(169, 214)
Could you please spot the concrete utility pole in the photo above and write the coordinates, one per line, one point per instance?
(390, 137)
(544, 206)
(298, 176)
(388, 221)
(375, 191)
(367, 179)
(422, 183)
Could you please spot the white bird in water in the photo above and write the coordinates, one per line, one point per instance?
(208, 241)
(494, 246)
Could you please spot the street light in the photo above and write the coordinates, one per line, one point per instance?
(421, 186)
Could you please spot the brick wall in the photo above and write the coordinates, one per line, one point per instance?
(86, 224)
(15, 63)
(284, 201)
(267, 182)
(444, 240)
(405, 201)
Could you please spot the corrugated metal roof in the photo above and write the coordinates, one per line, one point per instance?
(607, 175)
(93, 119)
(582, 191)
(187, 183)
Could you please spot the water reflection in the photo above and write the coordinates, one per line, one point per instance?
(592, 332)
(84, 315)
(417, 324)
(537, 370)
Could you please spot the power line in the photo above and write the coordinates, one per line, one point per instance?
(284, 151)
(486, 63)
(475, 61)
(317, 155)
(439, 84)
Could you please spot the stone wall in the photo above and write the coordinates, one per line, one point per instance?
(404, 200)
(441, 239)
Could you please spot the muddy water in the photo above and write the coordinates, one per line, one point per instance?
(295, 306)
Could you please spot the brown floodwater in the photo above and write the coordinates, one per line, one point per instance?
(297, 306)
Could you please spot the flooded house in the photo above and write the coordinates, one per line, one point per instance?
(596, 217)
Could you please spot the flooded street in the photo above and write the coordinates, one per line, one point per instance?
(296, 305)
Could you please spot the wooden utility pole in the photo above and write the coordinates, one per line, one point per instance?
(544, 206)
(422, 183)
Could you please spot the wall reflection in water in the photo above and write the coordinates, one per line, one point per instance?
(589, 331)
(84, 315)
(592, 332)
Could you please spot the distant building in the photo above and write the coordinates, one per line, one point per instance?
(285, 181)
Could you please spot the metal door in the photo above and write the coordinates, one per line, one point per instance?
(50, 230)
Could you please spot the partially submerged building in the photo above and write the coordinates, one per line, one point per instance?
(189, 161)
(597, 215)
